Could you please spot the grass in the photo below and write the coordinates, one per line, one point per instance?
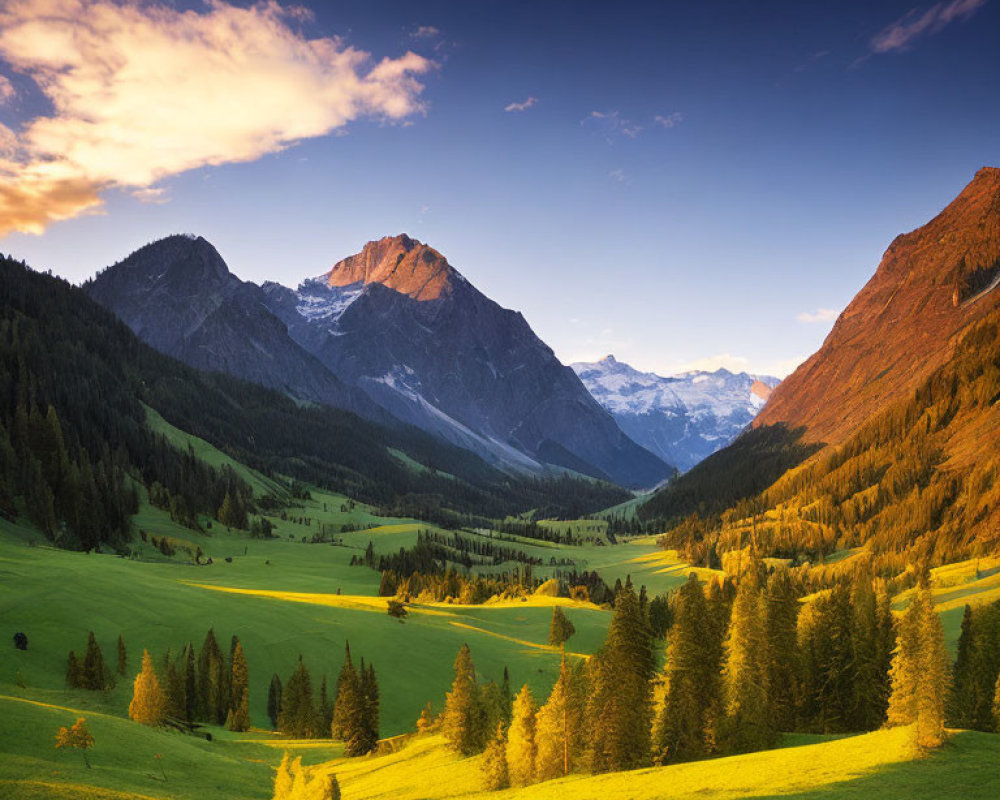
(879, 765)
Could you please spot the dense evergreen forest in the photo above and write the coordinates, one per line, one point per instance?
(74, 445)
(917, 484)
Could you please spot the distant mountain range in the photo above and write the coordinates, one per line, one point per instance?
(394, 331)
(682, 418)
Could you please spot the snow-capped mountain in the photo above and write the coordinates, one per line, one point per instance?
(398, 321)
(682, 418)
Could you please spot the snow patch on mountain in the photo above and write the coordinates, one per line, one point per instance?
(682, 418)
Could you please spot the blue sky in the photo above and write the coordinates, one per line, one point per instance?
(679, 184)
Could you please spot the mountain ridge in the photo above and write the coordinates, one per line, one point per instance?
(931, 284)
(683, 418)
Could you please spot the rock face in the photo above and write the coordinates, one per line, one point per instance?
(931, 285)
(683, 418)
(401, 323)
(178, 295)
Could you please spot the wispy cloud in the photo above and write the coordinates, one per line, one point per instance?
(611, 124)
(524, 106)
(424, 32)
(7, 91)
(618, 175)
(671, 120)
(915, 24)
(819, 315)
(141, 92)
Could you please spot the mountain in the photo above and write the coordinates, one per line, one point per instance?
(400, 322)
(906, 394)
(178, 295)
(682, 418)
(80, 393)
(932, 284)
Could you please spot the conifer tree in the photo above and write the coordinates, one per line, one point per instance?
(462, 721)
(560, 629)
(425, 722)
(274, 700)
(298, 716)
(747, 725)
(690, 675)
(363, 726)
(148, 701)
(74, 671)
(508, 697)
(521, 747)
(238, 716)
(212, 697)
(94, 673)
(325, 709)
(494, 764)
(782, 642)
(122, 657)
(920, 671)
(960, 699)
(173, 689)
(559, 728)
(493, 705)
(866, 710)
(190, 683)
(619, 714)
(346, 704)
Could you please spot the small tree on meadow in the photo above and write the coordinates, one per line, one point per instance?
(122, 656)
(494, 764)
(77, 737)
(148, 701)
(561, 628)
(521, 746)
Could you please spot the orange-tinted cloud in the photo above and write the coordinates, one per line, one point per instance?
(141, 92)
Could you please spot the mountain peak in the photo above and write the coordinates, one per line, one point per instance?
(400, 263)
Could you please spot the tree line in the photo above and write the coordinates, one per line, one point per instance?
(743, 664)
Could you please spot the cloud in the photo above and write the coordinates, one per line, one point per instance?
(7, 91)
(618, 175)
(611, 124)
(143, 92)
(424, 32)
(915, 25)
(531, 101)
(670, 120)
(819, 315)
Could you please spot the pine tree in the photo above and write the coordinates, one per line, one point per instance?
(346, 704)
(95, 673)
(521, 748)
(508, 697)
(173, 689)
(74, 671)
(190, 683)
(148, 701)
(493, 705)
(960, 699)
(425, 722)
(782, 666)
(561, 629)
(559, 728)
(747, 725)
(494, 764)
(212, 697)
(920, 671)
(325, 709)
(298, 716)
(619, 714)
(274, 700)
(238, 716)
(690, 675)
(363, 725)
(866, 711)
(461, 724)
(122, 657)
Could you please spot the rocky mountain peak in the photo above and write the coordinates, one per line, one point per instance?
(931, 284)
(400, 263)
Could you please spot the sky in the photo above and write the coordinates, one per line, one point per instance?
(684, 185)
